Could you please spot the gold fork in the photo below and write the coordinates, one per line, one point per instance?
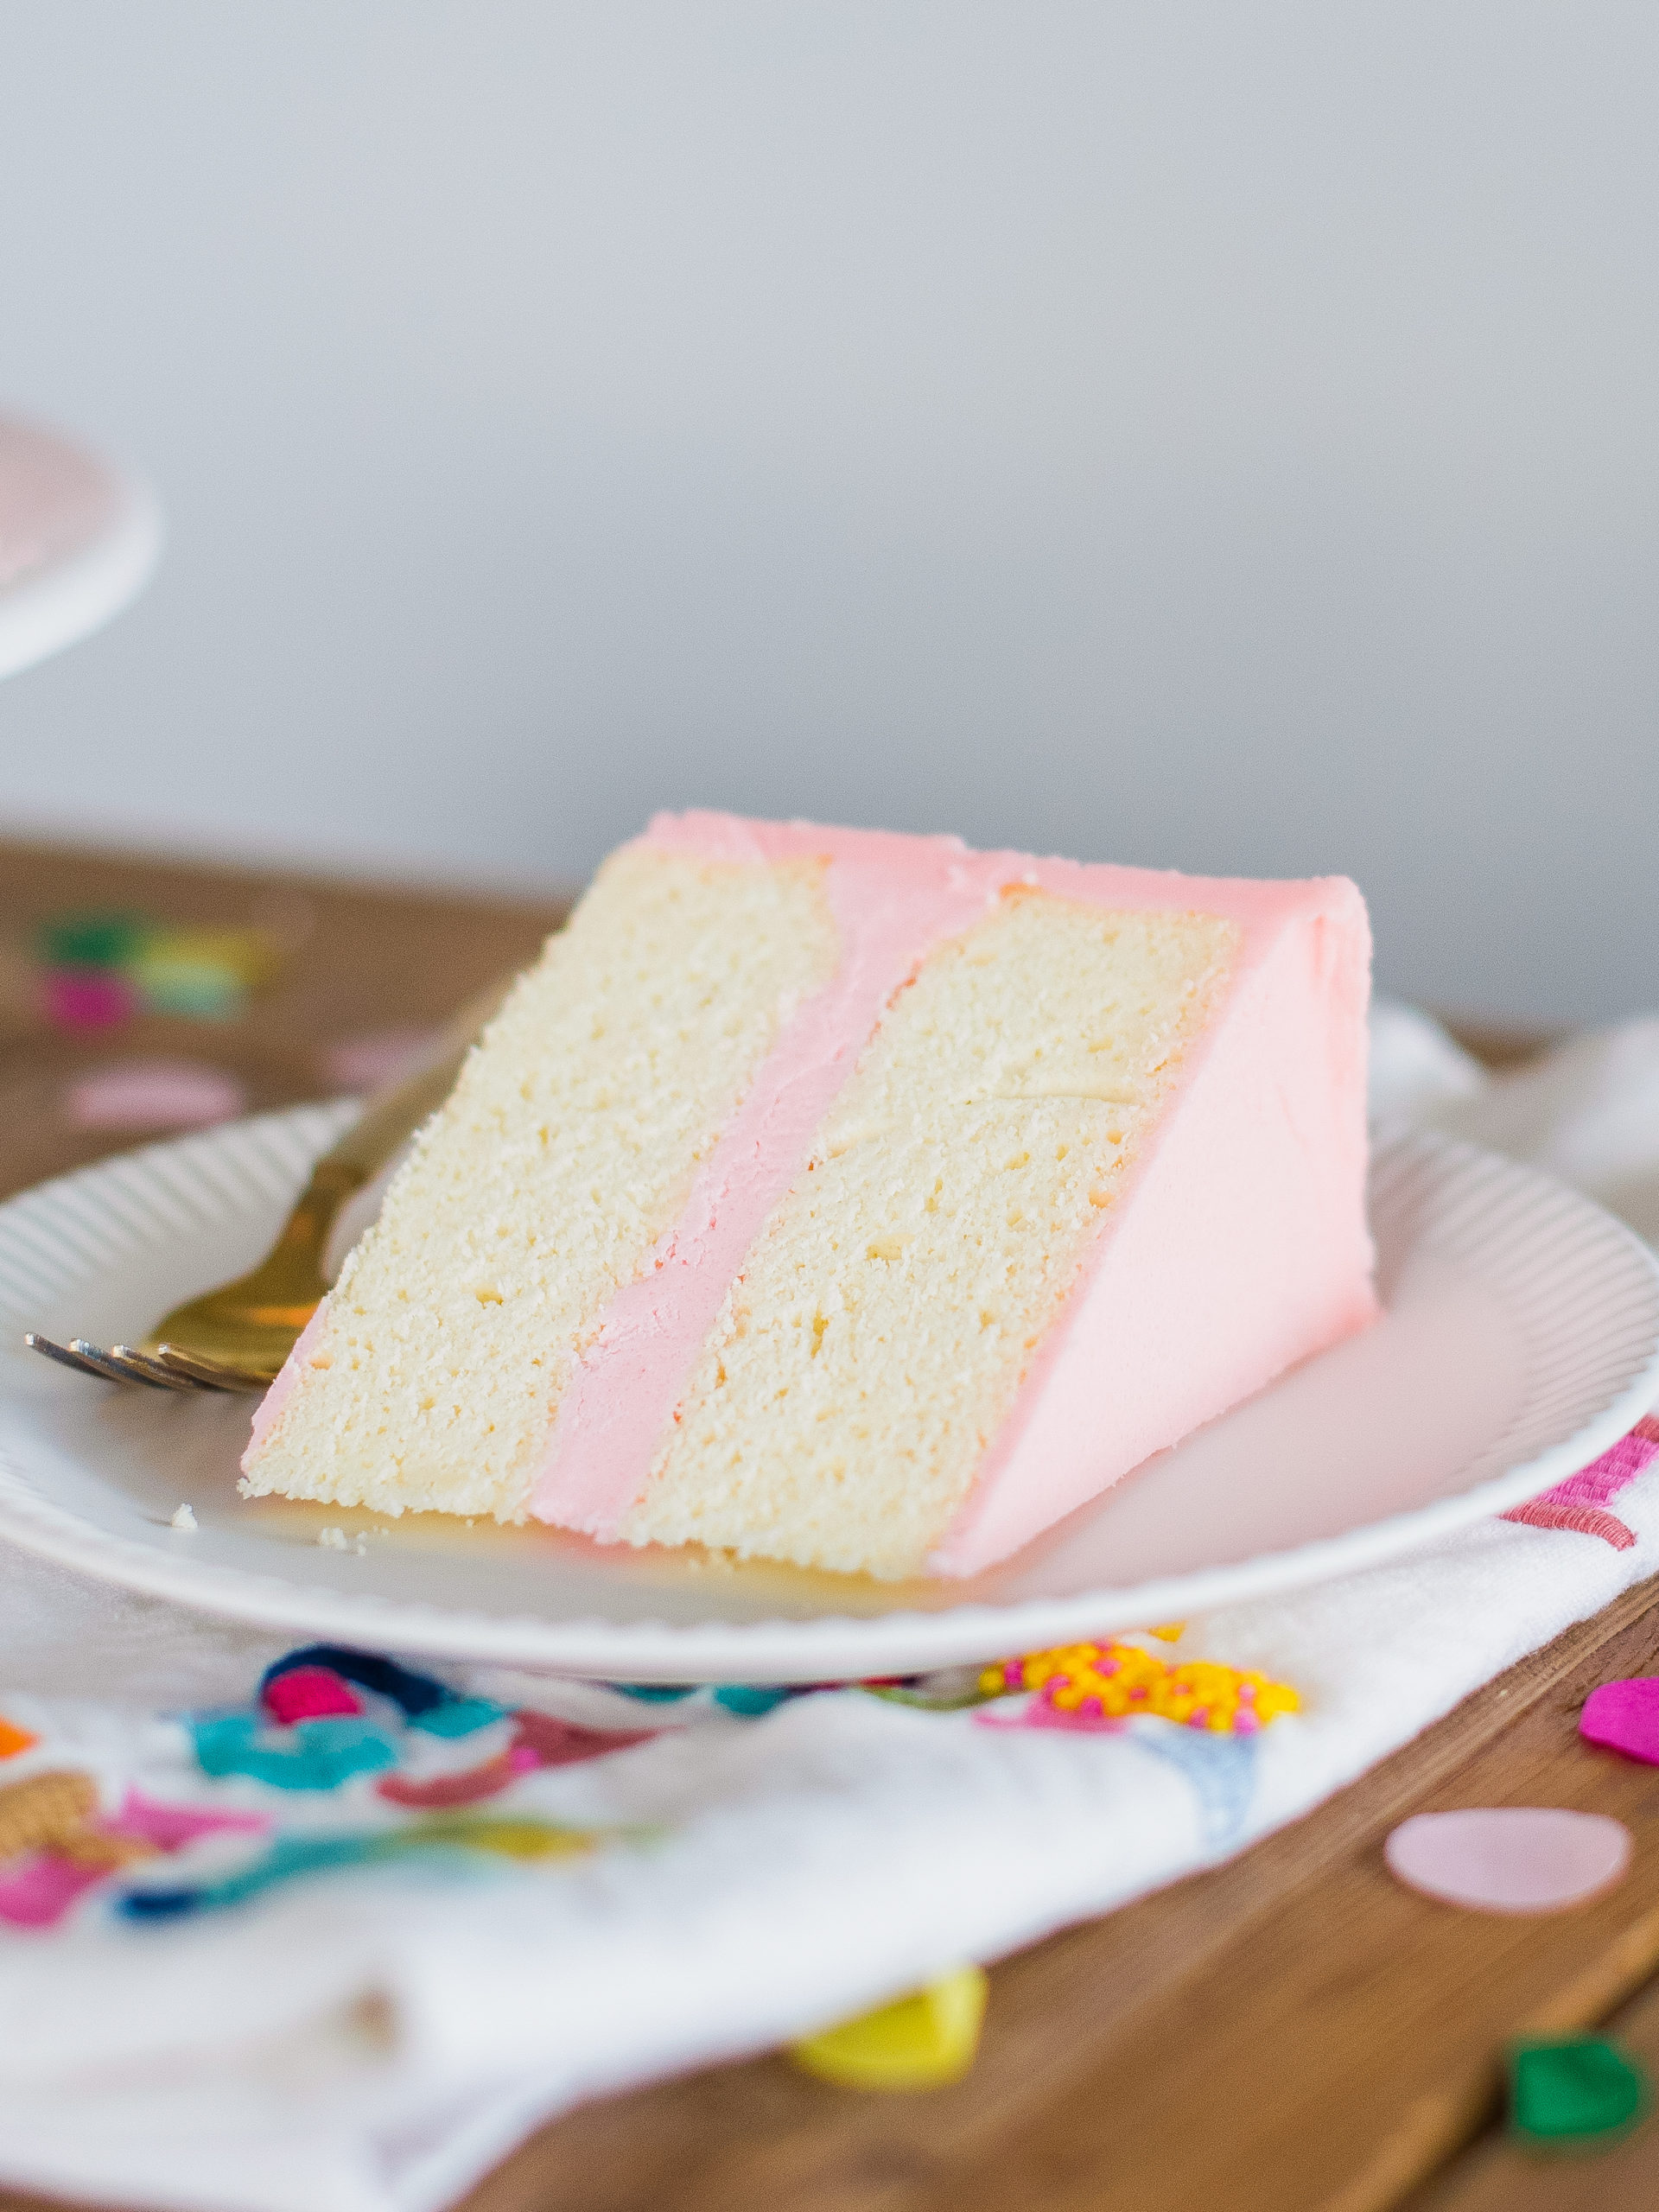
(237, 1336)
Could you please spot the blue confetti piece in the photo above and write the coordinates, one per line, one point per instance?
(656, 1693)
(311, 1755)
(1221, 1768)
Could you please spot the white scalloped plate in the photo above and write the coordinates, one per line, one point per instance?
(1522, 1338)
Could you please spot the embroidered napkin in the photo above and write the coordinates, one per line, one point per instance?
(289, 1930)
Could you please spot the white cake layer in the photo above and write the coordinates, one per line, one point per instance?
(432, 1373)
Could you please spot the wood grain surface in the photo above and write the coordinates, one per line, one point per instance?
(1290, 2033)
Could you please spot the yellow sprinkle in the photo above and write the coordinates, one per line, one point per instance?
(1169, 1633)
(919, 2042)
(1119, 1679)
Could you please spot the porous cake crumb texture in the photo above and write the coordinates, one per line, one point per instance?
(889, 1311)
(568, 1147)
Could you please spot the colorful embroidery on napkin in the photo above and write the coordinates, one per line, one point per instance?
(751, 1700)
(311, 1755)
(40, 1812)
(74, 1854)
(1079, 1683)
(326, 1719)
(1579, 1503)
(308, 1694)
(291, 1856)
(14, 1739)
(1221, 1768)
(417, 1696)
(539, 1740)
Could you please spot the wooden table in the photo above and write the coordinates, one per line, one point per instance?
(1290, 2033)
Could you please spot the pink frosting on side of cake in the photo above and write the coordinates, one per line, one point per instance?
(1243, 1240)
(892, 899)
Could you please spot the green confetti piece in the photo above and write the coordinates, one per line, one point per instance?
(93, 940)
(204, 990)
(1580, 2089)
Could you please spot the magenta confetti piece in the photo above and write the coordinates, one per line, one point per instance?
(1625, 1717)
(1512, 1859)
(83, 998)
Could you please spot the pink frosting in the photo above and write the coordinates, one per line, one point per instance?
(1260, 1209)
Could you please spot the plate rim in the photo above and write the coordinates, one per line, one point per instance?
(659, 1651)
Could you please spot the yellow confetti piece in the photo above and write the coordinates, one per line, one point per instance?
(920, 2042)
(1170, 1632)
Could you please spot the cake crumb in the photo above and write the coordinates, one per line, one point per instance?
(184, 1518)
(336, 1540)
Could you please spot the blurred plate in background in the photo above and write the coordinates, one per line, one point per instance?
(78, 540)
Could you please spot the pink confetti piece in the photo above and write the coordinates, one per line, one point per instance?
(154, 1095)
(1510, 1858)
(364, 1062)
(308, 1694)
(1625, 1717)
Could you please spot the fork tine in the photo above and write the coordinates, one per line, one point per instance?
(65, 1357)
(211, 1374)
(89, 1359)
(108, 1363)
(151, 1371)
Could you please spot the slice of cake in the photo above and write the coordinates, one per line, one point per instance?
(854, 1199)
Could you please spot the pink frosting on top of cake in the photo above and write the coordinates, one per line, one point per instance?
(895, 898)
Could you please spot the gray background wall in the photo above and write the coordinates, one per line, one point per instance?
(1221, 434)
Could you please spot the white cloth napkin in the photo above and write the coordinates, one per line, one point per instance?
(371, 2038)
